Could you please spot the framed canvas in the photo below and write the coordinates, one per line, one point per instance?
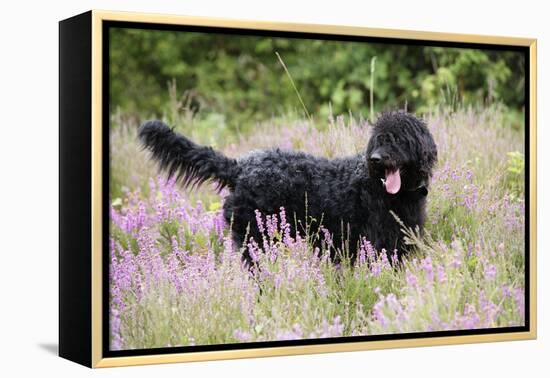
(234, 189)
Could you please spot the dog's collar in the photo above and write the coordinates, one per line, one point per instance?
(419, 192)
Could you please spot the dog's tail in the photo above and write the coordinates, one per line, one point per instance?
(190, 163)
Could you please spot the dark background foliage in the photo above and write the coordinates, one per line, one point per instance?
(239, 80)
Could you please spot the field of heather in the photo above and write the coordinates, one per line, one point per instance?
(176, 279)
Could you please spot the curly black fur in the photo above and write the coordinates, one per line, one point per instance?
(347, 194)
(190, 163)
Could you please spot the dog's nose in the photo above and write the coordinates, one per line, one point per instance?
(375, 157)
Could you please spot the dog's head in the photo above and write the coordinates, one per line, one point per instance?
(401, 152)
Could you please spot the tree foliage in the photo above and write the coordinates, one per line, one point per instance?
(239, 79)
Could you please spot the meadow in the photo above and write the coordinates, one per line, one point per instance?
(176, 279)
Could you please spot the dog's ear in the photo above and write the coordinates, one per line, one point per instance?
(428, 153)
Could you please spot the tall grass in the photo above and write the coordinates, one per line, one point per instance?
(177, 279)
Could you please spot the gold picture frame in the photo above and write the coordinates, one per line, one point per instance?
(90, 268)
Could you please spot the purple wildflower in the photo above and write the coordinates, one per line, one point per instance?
(490, 272)
(428, 269)
(411, 279)
(441, 276)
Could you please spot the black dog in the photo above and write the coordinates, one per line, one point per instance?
(353, 196)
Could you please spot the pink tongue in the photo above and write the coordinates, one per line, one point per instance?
(393, 181)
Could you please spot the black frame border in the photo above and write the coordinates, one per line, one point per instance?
(106, 25)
